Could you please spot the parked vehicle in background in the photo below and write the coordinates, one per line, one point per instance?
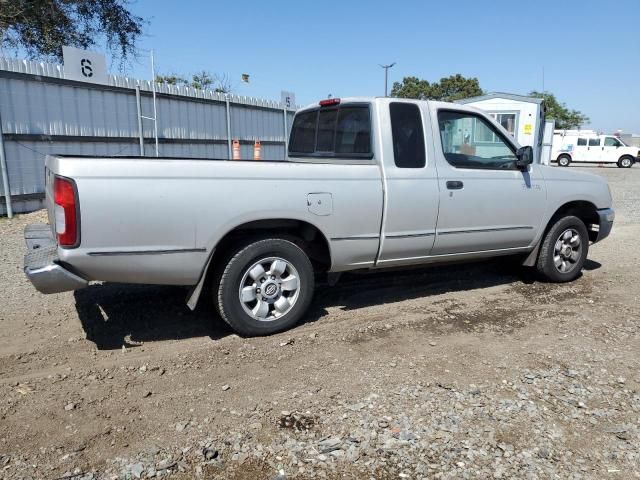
(589, 147)
(370, 183)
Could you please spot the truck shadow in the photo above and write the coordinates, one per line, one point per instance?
(357, 290)
(113, 315)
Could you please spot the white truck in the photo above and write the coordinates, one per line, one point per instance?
(589, 147)
(370, 183)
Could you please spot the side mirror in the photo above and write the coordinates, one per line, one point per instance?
(525, 157)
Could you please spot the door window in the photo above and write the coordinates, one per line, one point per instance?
(407, 134)
(612, 142)
(464, 142)
(594, 142)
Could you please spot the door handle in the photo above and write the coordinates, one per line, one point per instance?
(454, 184)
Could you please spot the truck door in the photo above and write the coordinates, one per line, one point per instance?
(411, 185)
(486, 203)
(580, 152)
(610, 149)
(594, 150)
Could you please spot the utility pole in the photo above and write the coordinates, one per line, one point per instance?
(386, 76)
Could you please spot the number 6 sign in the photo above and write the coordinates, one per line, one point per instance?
(84, 66)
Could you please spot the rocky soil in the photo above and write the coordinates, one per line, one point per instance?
(467, 371)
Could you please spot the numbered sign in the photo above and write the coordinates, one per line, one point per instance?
(288, 99)
(84, 66)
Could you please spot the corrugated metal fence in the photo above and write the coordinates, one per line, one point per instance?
(42, 113)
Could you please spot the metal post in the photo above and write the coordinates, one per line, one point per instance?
(286, 133)
(5, 174)
(155, 111)
(386, 76)
(140, 132)
(228, 108)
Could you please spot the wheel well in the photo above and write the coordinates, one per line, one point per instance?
(564, 155)
(585, 211)
(626, 155)
(305, 235)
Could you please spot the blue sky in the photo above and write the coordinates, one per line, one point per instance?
(590, 50)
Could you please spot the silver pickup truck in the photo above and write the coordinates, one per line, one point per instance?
(369, 183)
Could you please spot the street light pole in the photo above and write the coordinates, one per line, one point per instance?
(386, 76)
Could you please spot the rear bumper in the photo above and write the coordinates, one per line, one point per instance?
(607, 216)
(41, 263)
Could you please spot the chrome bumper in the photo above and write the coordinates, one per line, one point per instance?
(607, 216)
(41, 263)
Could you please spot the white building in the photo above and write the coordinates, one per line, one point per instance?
(522, 117)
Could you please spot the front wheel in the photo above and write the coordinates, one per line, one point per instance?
(564, 160)
(266, 287)
(625, 162)
(564, 250)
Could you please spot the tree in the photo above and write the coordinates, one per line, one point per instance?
(202, 81)
(42, 27)
(412, 87)
(448, 89)
(565, 118)
(171, 79)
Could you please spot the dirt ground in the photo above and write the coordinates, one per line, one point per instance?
(466, 371)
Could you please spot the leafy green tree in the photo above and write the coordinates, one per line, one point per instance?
(42, 27)
(565, 118)
(448, 89)
(171, 79)
(412, 87)
(202, 81)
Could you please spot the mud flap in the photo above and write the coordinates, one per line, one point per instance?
(196, 290)
(532, 258)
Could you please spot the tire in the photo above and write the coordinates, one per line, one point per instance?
(278, 275)
(625, 162)
(561, 256)
(564, 160)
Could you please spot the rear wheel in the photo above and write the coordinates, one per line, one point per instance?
(625, 162)
(564, 250)
(266, 287)
(564, 160)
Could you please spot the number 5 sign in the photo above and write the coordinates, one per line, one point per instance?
(288, 99)
(84, 66)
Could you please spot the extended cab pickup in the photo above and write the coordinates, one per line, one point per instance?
(369, 183)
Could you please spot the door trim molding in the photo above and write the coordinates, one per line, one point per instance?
(486, 230)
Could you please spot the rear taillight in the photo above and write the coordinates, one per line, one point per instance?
(66, 212)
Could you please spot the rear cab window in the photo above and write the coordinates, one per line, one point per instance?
(340, 131)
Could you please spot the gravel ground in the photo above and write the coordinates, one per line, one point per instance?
(473, 371)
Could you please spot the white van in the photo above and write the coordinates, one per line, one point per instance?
(587, 146)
